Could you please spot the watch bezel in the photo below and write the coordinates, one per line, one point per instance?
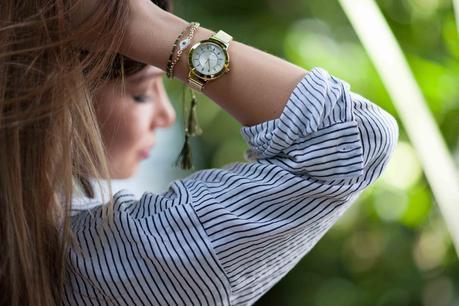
(209, 76)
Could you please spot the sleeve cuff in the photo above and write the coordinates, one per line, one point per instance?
(317, 101)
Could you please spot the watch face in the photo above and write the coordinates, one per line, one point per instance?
(208, 58)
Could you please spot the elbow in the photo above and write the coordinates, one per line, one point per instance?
(389, 136)
(379, 136)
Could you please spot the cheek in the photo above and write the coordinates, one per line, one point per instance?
(128, 133)
(124, 130)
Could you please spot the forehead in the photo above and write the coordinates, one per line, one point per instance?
(146, 73)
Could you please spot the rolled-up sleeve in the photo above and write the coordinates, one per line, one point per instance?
(325, 132)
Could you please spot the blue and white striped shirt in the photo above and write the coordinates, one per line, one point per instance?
(226, 236)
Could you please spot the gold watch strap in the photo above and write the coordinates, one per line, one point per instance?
(195, 83)
(223, 37)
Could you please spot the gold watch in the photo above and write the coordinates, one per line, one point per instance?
(208, 60)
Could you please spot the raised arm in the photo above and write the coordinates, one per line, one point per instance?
(255, 90)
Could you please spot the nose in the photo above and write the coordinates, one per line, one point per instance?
(164, 113)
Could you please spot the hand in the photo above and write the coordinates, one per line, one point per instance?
(82, 10)
(150, 34)
(89, 27)
(92, 26)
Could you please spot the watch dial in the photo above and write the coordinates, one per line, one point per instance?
(208, 58)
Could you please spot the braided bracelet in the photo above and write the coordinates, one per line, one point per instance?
(182, 46)
(169, 61)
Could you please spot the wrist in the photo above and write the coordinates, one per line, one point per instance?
(171, 26)
(181, 69)
(151, 34)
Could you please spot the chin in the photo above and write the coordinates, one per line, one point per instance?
(125, 174)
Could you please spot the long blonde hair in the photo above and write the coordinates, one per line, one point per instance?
(49, 136)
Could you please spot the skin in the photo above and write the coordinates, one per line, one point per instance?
(255, 90)
(128, 121)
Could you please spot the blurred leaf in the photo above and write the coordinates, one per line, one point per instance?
(419, 205)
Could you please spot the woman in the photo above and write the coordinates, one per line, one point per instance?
(218, 237)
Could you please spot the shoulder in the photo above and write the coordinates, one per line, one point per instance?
(153, 246)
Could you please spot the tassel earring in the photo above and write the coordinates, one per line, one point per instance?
(192, 129)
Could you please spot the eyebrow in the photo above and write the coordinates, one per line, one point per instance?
(143, 77)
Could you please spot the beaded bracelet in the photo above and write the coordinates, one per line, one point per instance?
(182, 45)
(169, 61)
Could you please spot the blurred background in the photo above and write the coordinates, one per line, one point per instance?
(392, 247)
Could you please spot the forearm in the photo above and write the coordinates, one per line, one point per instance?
(257, 86)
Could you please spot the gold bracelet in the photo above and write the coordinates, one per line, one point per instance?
(182, 46)
(169, 61)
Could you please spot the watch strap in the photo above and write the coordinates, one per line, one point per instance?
(195, 83)
(223, 37)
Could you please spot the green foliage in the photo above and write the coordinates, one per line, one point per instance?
(391, 247)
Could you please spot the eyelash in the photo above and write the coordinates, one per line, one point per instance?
(141, 98)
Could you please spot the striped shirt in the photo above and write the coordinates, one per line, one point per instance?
(226, 236)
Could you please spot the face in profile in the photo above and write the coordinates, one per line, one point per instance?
(128, 120)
